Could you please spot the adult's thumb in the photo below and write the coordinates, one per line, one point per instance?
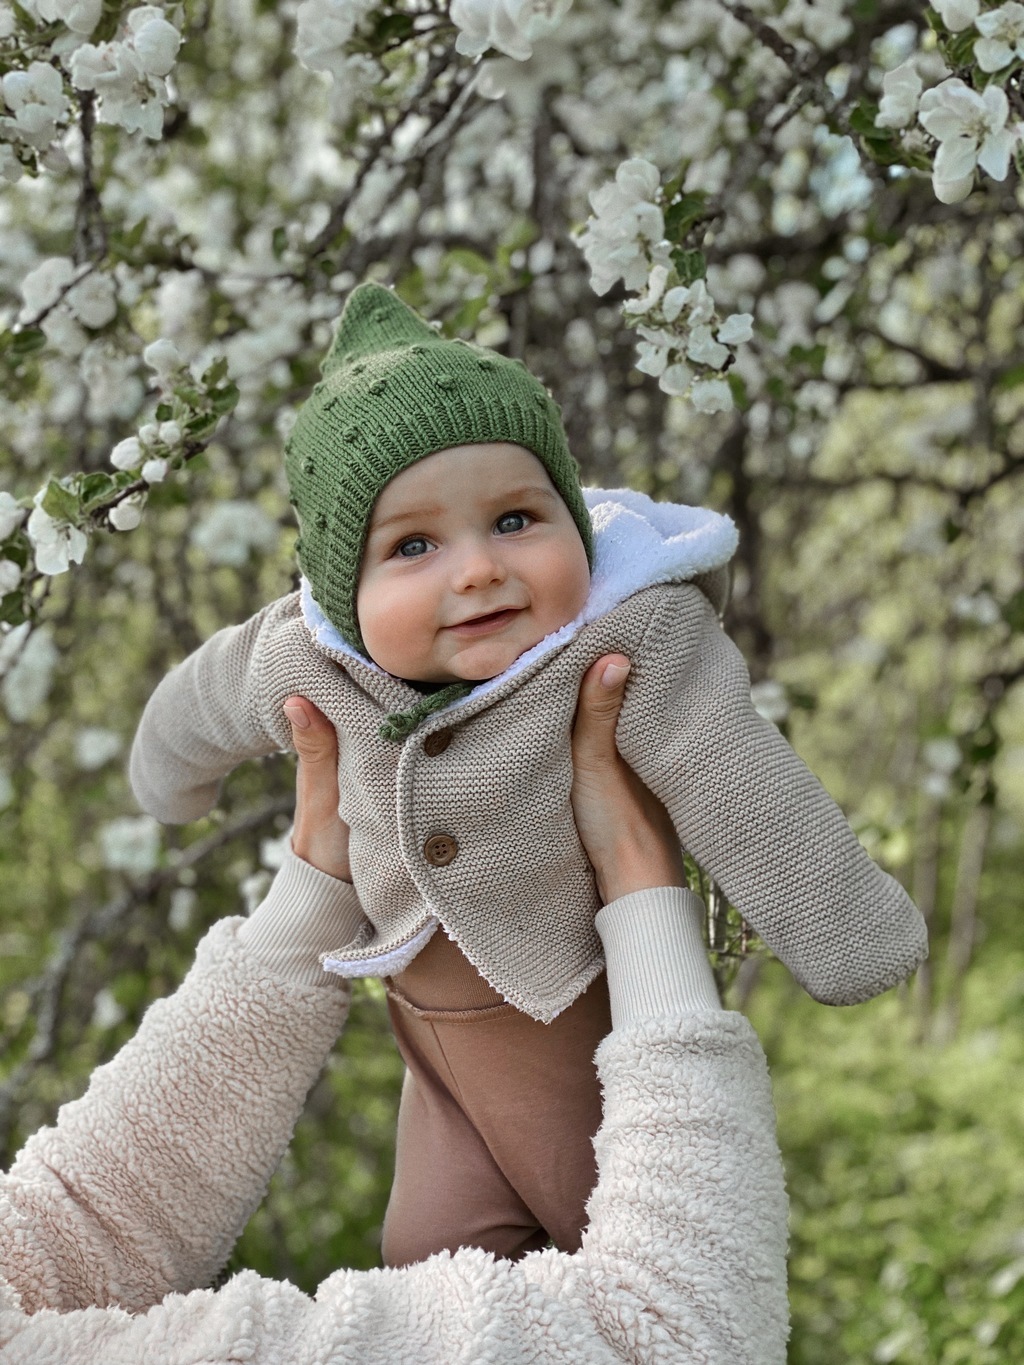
(601, 694)
(312, 733)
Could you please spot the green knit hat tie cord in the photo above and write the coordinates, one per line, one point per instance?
(393, 392)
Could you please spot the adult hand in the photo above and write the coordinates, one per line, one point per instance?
(622, 825)
(320, 836)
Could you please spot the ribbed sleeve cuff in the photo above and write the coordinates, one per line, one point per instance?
(306, 914)
(657, 961)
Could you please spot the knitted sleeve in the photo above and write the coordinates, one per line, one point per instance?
(201, 722)
(755, 818)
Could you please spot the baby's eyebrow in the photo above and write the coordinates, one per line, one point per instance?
(505, 496)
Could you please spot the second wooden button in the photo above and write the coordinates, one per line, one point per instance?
(440, 849)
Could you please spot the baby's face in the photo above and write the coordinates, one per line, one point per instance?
(471, 558)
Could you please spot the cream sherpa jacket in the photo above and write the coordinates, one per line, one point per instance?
(485, 784)
(144, 1183)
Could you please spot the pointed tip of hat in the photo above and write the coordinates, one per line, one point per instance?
(374, 319)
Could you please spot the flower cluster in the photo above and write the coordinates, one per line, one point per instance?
(509, 26)
(683, 340)
(51, 530)
(129, 73)
(971, 127)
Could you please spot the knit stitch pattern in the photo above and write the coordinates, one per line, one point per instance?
(394, 391)
(741, 800)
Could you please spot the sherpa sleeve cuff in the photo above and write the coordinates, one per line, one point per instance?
(657, 962)
(306, 913)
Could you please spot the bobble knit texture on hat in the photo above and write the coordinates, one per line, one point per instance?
(393, 392)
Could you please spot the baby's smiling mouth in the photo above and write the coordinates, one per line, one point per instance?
(479, 625)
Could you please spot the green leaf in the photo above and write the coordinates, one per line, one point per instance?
(278, 242)
(690, 265)
(681, 215)
(60, 503)
(164, 412)
(739, 391)
(27, 342)
(1013, 611)
(224, 400)
(468, 315)
(1010, 378)
(12, 608)
(216, 373)
(862, 118)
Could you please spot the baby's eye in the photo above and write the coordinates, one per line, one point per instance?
(512, 521)
(412, 548)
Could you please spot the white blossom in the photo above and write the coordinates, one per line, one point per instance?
(322, 31)
(155, 471)
(956, 14)
(93, 300)
(170, 433)
(11, 168)
(128, 73)
(130, 844)
(942, 755)
(770, 700)
(1002, 36)
(653, 358)
(12, 514)
(901, 90)
(42, 287)
(627, 230)
(106, 1012)
(155, 41)
(675, 379)
(982, 609)
(655, 288)
(10, 576)
(971, 131)
(231, 530)
(57, 545)
(81, 16)
(95, 747)
(179, 912)
(127, 454)
(36, 99)
(126, 515)
(711, 395)
(8, 23)
(163, 357)
(510, 26)
(27, 682)
(736, 329)
(703, 349)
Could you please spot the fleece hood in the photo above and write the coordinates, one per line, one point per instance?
(637, 543)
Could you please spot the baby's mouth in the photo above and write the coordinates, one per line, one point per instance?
(483, 625)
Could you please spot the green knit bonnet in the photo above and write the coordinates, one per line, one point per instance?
(394, 391)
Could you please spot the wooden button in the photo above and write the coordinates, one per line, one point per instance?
(437, 742)
(440, 849)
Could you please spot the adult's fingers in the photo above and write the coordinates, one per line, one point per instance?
(312, 733)
(601, 693)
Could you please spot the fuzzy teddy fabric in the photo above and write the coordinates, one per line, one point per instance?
(143, 1184)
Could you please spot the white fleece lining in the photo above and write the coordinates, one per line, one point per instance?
(385, 964)
(637, 542)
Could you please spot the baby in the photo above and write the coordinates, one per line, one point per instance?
(458, 583)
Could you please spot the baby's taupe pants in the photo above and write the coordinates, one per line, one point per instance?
(497, 1114)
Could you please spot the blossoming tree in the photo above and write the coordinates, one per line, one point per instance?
(765, 254)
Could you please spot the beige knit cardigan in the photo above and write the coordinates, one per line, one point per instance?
(468, 822)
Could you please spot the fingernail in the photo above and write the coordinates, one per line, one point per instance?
(614, 675)
(297, 716)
